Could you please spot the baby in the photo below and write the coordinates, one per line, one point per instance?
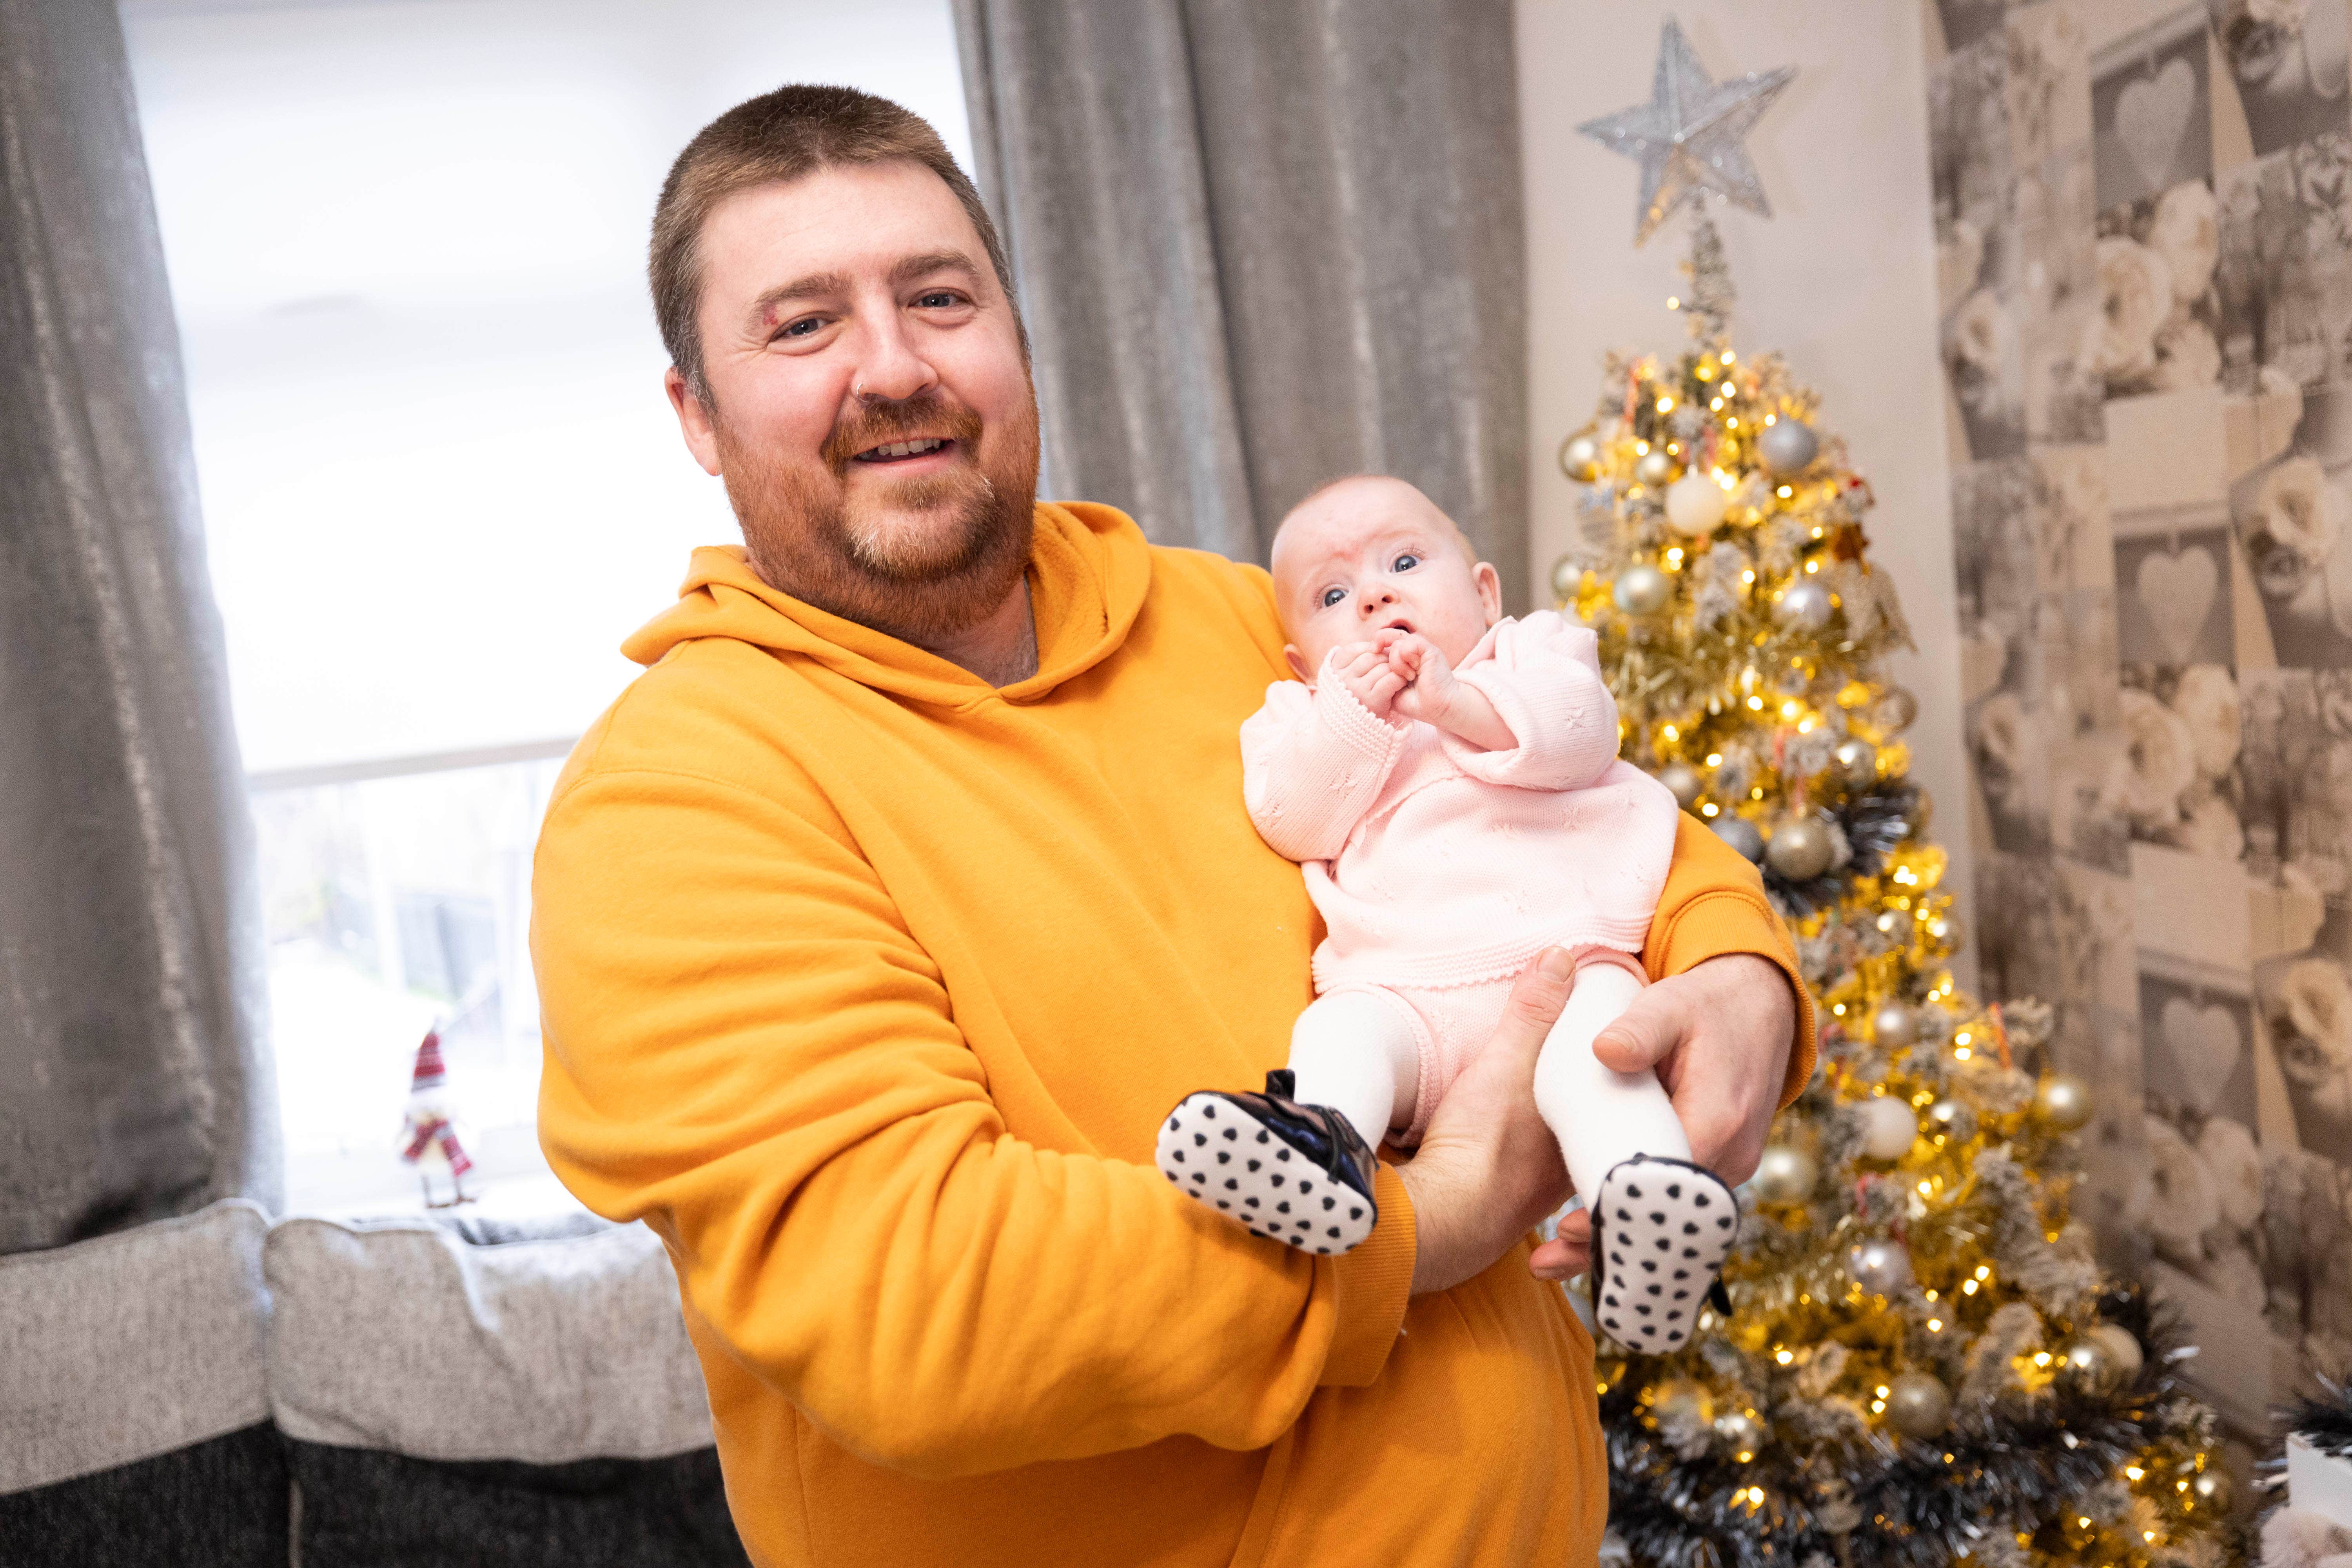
(1448, 781)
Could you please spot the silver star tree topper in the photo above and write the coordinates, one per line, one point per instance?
(1688, 137)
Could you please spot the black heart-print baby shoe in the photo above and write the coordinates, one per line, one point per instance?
(1661, 1230)
(1295, 1173)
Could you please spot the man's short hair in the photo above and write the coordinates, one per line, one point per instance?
(780, 137)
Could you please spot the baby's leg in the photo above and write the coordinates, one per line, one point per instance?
(1359, 1052)
(1601, 1116)
(1661, 1226)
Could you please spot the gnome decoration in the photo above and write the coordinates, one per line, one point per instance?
(428, 1140)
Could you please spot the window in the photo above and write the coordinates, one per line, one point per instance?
(440, 481)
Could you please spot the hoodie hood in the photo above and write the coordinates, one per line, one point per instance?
(1089, 568)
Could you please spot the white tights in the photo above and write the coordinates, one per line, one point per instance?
(1360, 1055)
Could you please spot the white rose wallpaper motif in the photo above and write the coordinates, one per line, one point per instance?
(2144, 267)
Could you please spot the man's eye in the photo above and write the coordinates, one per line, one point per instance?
(801, 328)
(937, 300)
(1332, 596)
(1406, 562)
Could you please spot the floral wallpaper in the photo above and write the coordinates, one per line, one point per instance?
(2144, 233)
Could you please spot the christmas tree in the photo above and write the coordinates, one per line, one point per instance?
(1924, 1364)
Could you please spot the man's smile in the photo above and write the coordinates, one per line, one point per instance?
(905, 450)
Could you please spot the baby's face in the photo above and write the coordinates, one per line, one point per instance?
(1373, 555)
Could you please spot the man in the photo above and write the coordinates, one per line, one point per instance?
(878, 923)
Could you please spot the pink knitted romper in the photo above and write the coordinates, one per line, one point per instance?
(1442, 870)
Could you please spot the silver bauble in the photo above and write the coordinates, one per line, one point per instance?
(1888, 1127)
(1833, 1505)
(1741, 1435)
(1952, 1119)
(2123, 1345)
(1894, 710)
(2090, 1364)
(1856, 763)
(1684, 1401)
(1685, 782)
(1787, 445)
(1881, 1268)
(1656, 470)
(1893, 1024)
(1695, 504)
(1641, 589)
(1802, 848)
(1785, 1174)
(1918, 1405)
(1805, 604)
(1567, 578)
(2064, 1101)
(1579, 458)
(1741, 834)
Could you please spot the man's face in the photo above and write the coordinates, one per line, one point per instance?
(871, 410)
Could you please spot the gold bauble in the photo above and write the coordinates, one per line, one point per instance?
(2089, 1364)
(2062, 1100)
(2123, 1345)
(1785, 1174)
(1952, 1118)
(1894, 1025)
(1740, 1434)
(1684, 782)
(1888, 1126)
(1684, 1401)
(1881, 1268)
(1579, 457)
(1856, 763)
(1567, 578)
(1918, 1405)
(1656, 470)
(1894, 710)
(1641, 589)
(1801, 848)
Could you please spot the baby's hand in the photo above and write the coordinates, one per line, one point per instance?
(1429, 680)
(1363, 669)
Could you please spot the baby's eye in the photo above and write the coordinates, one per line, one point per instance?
(1330, 597)
(1406, 562)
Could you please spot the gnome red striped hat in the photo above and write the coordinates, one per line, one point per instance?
(429, 1073)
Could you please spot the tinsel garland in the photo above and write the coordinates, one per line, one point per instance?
(2010, 1469)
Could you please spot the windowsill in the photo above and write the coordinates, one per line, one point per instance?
(509, 1181)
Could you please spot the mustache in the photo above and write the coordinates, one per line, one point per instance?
(925, 415)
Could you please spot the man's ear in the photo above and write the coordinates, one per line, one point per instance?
(694, 421)
(1490, 589)
(1298, 662)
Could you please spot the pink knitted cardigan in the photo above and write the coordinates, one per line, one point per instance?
(1436, 863)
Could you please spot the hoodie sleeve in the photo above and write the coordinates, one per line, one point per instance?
(1313, 761)
(1543, 676)
(768, 1072)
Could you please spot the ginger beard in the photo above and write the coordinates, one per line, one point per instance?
(919, 557)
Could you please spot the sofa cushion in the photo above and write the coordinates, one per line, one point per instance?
(399, 1336)
(131, 1345)
(220, 1503)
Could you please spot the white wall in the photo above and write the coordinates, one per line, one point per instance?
(1841, 280)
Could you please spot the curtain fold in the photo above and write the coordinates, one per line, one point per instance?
(1261, 244)
(134, 1079)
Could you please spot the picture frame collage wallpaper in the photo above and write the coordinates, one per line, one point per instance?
(2144, 267)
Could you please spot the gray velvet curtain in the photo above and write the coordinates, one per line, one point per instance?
(134, 1081)
(1261, 244)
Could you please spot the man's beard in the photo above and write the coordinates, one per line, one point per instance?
(944, 576)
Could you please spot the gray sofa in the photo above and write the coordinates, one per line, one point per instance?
(226, 1390)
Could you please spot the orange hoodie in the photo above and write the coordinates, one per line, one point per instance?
(865, 984)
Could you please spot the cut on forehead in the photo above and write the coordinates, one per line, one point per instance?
(1341, 497)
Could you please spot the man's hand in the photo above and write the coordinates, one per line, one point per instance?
(1489, 1168)
(1363, 669)
(1719, 1034)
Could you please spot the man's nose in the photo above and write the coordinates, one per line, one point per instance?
(890, 370)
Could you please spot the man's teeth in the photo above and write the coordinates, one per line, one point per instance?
(906, 448)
